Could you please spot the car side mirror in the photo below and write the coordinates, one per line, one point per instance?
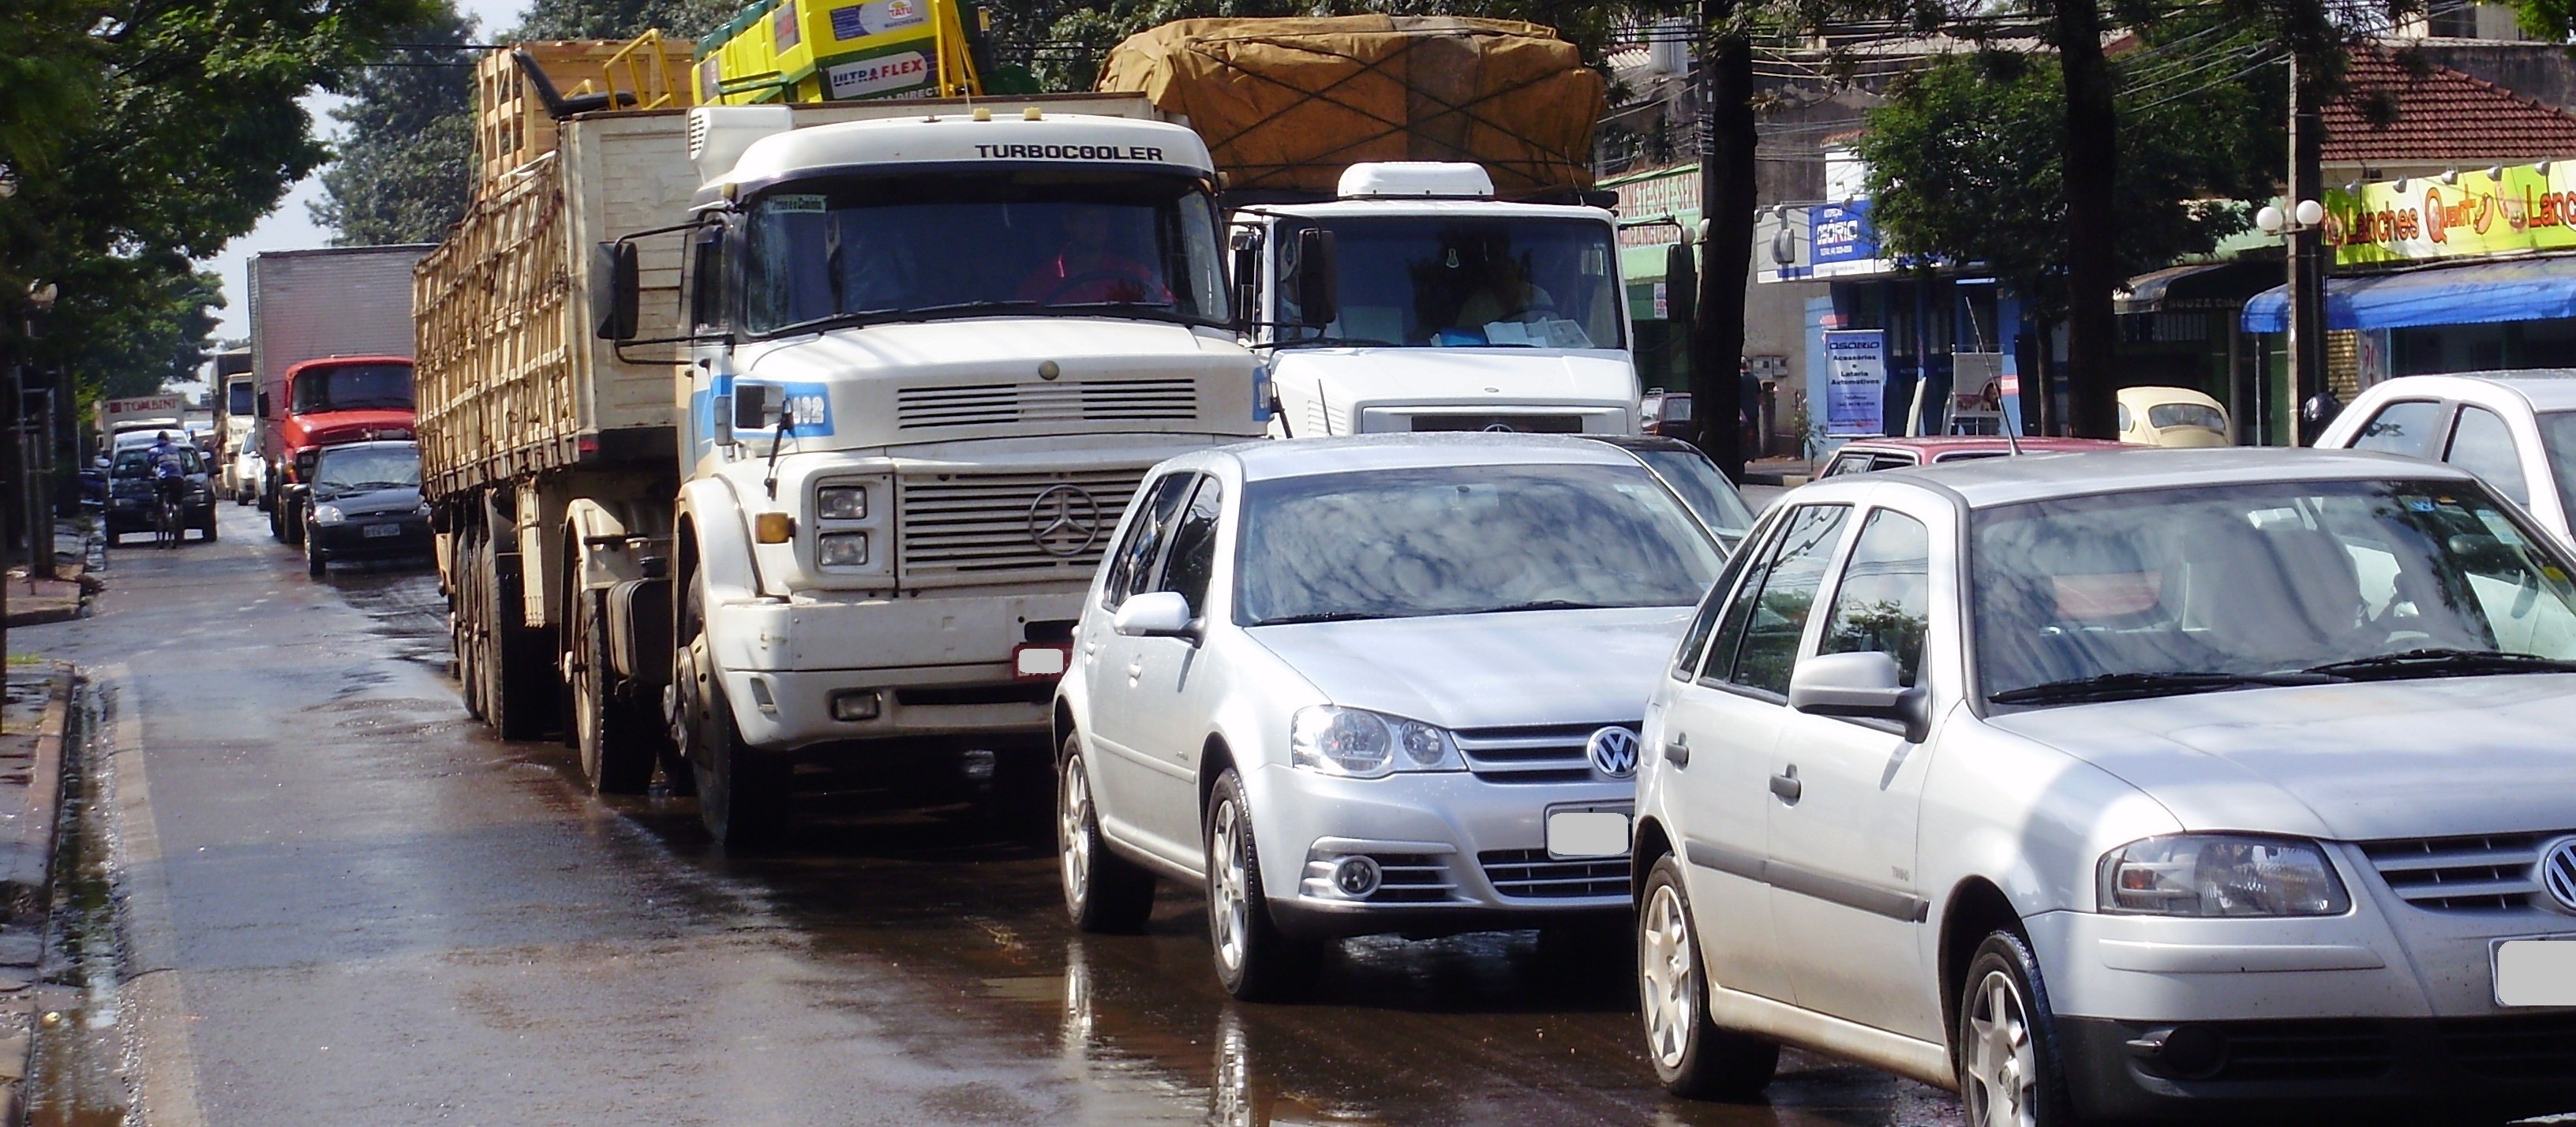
(1319, 278)
(1860, 686)
(614, 290)
(1154, 614)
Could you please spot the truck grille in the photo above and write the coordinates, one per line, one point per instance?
(1525, 424)
(972, 524)
(2461, 873)
(1551, 753)
(977, 405)
(1531, 873)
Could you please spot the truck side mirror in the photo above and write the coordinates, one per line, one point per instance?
(1681, 284)
(752, 410)
(263, 404)
(1247, 279)
(613, 290)
(1319, 278)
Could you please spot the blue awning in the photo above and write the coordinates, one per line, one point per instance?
(2528, 289)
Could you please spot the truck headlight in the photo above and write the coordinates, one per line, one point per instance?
(328, 514)
(1366, 745)
(841, 502)
(841, 549)
(2210, 875)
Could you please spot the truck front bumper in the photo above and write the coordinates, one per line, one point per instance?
(814, 671)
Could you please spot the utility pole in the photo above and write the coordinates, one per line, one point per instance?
(2307, 250)
(1726, 213)
(2092, 155)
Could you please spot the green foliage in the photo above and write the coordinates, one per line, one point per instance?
(1965, 163)
(621, 19)
(404, 168)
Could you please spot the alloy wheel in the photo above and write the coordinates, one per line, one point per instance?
(1670, 996)
(1227, 906)
(2003, 1069)
(1073, 841)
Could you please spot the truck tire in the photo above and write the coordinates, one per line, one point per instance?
(293, 517)
(620, 743)
(743, 792)
(519, 693)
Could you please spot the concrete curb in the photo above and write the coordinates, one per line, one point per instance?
(26, 870)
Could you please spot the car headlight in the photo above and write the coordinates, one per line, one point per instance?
(328, 514)
(841, 502)
(841, 549)
(1363, 744)
(421, 510)
(2209, 875)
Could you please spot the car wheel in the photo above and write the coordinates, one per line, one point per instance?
(1693, 1057)
(743, 792)
(618, 749)
(1103, 891)
(315, 563)
(1255, 961)
(2011, 1070)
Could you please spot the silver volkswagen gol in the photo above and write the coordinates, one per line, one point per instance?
(1370, 685)
(2143, 786)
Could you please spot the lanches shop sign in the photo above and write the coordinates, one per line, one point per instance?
(2525, 208)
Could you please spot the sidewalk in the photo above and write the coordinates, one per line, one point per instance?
(34, 602)
(1779, 471)
(35, 726)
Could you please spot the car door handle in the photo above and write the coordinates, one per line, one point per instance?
(1135, 670)
(1677, 750)
(1786, 787)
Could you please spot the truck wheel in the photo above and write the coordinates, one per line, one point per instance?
(618, 747)
(293, 515)
(462, 620)
(742, 792)
(518, 694)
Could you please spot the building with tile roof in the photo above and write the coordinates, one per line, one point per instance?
(2401, 116)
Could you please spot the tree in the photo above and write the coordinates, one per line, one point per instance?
(404, 169)
(622, 19)
(1968, 163)
(1729, 196)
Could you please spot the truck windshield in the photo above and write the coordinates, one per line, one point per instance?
(1448, 281)
(241, 399)
(1064, 242)
(351, 387)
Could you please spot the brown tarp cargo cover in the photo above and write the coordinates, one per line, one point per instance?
(1286, 104)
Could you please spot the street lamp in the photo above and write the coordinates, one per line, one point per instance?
(2308, 214)
(2307, 321)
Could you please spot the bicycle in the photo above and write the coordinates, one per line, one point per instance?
(166, 530)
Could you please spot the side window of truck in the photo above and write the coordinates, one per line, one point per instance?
(706, 278)
(1131, 563)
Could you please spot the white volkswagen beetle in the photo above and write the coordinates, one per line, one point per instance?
(1369, 685)
(2111, 786)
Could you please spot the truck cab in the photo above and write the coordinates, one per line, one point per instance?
(1416, 301)
(325, 402)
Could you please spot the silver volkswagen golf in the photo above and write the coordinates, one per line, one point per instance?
(2127, 787)
(1370, 685)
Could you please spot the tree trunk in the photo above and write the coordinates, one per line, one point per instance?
(2092, 267)
(1726, 255)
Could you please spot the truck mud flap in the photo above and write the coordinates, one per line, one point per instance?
(639, 630)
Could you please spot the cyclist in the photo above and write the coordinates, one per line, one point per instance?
(169, 471)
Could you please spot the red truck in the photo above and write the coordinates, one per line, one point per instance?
(326, 402)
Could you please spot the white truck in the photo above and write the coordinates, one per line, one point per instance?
(767, 434)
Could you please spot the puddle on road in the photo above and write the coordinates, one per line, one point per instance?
(77, 1077)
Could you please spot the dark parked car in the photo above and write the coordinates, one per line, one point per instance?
(365, 502)
(1702, 486)
(130, 498)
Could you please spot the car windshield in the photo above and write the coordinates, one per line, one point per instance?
(2201, 415)
(137, 461)
(1444, 281)
(355, 469)
(2215, 587)
(1704, 489)
(351, 387)
(1465, 540)
(1049, 240)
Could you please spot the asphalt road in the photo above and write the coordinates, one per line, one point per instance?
(342, 901)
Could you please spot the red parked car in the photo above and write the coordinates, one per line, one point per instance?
(1862, 455)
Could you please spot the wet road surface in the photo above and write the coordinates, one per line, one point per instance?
(343, 901)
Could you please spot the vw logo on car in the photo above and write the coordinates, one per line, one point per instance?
(1064, 520)
(2558, 873)
(1613, 751)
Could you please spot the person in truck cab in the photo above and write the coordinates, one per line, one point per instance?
(1091, 267)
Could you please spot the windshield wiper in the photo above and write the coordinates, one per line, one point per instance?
(1541, 604)
(2136, 684)
(1324, 616)
(888, 316)
(2440, 662)
(1330, 342)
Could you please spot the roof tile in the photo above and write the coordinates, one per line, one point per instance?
(2444, 115)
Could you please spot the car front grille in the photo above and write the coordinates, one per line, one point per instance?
(918, 408)
(2522, 1047)
(1403, 878)
(1532, 874)
(2305, 1050)
(1551, 753)
(973, 525)
(2461, 874)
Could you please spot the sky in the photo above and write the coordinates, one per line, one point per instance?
(291, 226)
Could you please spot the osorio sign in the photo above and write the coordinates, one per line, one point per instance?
(2510, 210)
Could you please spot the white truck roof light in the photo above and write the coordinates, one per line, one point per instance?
(1415, 179)
(719, 134)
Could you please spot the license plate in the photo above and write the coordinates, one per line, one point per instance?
(381, 530)
(1038, 662)
(2536, 972)
(1574, 834)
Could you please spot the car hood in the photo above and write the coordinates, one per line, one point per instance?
(2354, 762)
(373, 502)
(1488, 670)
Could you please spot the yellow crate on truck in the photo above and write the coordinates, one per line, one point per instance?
(512, 123)
(837, 50)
